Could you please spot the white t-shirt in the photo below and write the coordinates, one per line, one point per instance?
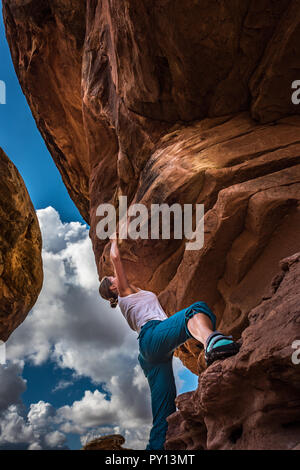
(140, 307)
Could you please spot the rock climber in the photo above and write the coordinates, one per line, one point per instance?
(159, 336)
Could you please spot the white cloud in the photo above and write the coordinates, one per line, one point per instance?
(40, 415)
(34, 431)
(14, 428)
(35, 446)
(12, 385)
(21, 430)
(127, 411)
(55, 234)
(62, 384)
(71, 325)
(55, 439)
(139, 379)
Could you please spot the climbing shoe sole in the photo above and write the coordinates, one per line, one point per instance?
(221, 352)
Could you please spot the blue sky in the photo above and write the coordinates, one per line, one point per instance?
(22, 142)
(65, 366)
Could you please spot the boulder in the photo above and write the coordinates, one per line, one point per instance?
(21, 273)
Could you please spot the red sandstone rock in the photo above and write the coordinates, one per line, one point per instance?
(109, 442)
(21, 274)
(251, 400)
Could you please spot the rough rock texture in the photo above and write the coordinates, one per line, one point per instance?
(110, 442)
(252, 400)
(173, 101)
(21, 274)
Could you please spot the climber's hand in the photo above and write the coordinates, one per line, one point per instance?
(114, 249)
(123, 285)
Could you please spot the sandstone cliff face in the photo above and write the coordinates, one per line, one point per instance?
(252, 400)
(21, 274)
(168, 101)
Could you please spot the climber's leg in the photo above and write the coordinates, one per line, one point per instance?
(163, 393)
(159, 339)
(200, 327)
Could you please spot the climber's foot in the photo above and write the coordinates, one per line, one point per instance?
(218, 347)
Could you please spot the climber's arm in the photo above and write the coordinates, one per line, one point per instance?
(123, 284)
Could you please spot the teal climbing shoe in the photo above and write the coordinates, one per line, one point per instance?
(219, 346)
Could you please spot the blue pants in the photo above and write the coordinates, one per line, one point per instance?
(157, 343)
